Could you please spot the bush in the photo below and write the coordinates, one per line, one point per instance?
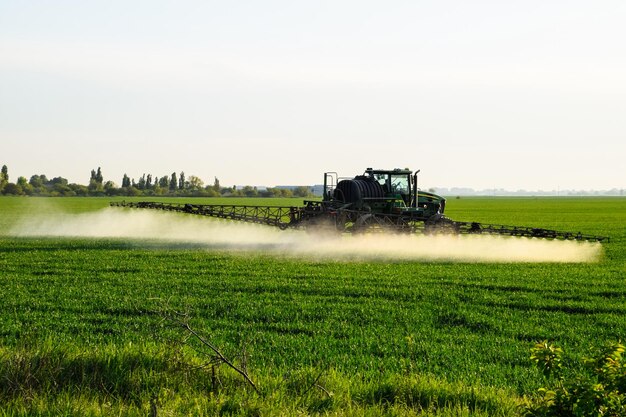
(600, 391)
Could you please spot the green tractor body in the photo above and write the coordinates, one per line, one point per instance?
(390, 192)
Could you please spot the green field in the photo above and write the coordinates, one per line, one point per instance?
(83, 328)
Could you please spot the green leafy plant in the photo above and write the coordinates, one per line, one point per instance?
(600, 391)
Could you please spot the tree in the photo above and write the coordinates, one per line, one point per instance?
(149, 182)
(173, 182)
(38, 181)
(79, 189)
(210, 192)
(125, 181)
(22, 182)
(181, 181)
(39, 184)
(110, 188)
(249, 191)
(216, 185)
(58, 180)
(302, 191)
(95, 188)
(95, 183)
(61, 189)
(141, 184)
(4, 177)
(12, 189)
(195, 183)
(273, 192)
(132, 191)
(96, 176)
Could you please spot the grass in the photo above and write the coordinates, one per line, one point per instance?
(81, 331)
(127, 380)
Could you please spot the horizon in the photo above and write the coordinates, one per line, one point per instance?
(442, 190)
(516, 95)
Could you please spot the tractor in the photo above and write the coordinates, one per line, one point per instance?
(378, 201)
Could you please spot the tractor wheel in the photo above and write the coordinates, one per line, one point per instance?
(439, 225)
(340, 221)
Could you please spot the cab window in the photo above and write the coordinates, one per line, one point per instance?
(400, 184)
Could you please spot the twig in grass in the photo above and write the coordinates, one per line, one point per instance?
(221, 358)
(330, 394)
(181, 321)
(315, 384)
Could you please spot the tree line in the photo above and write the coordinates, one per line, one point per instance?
(175, 185)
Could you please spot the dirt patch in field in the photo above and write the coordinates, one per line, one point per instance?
(166, 227)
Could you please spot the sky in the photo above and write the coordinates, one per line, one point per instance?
(483, 94)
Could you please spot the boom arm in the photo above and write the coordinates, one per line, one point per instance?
(315, 214)
(281, 217)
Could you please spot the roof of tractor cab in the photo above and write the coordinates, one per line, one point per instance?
(389, 171)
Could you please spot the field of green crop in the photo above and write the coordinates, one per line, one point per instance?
(86, 324)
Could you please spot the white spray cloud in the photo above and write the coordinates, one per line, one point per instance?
(139, 226)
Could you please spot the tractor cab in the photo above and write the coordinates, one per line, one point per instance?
(396, 184)
(382, 191)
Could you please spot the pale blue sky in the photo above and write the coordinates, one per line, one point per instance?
(515, 94)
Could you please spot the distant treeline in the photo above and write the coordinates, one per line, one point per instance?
(175, 185)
